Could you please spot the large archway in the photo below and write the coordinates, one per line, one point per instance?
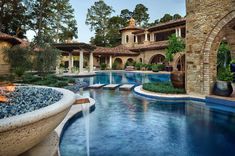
(118, 63)
(157, 59)
(224, 28)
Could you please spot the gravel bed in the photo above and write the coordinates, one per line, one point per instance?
(27, 99)
(76, 87)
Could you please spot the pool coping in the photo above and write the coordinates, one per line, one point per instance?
(184, 97)
(178, 97)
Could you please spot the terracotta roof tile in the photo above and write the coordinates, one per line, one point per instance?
(118, 50)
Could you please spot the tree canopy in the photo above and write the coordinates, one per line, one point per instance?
(140, 14)
(51, 20)
(98, 16)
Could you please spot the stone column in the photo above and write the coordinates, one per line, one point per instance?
(81, 62)
(176, 32)
(146, 36)
(110, 62)
(91, 62)
(70, 62)
(179, 32)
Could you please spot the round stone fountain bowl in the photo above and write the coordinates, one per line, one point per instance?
(21, 132)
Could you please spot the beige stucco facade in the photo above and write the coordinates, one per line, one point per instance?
(4, 66)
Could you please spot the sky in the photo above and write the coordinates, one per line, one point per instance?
(156, 10)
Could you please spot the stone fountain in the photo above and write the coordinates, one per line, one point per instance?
(20, 133)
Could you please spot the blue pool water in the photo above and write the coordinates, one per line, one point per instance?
(124, 124)
(126, 77)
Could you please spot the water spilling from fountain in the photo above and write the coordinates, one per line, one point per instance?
(85, 112)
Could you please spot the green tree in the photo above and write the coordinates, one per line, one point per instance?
(175, 45)
(98, 16)
(45, 60)
(52, 20)
(65, 25)
(114, 36)
(140, 14)
(176, 16)
(166, 18)
(19, 59)
(13, 17)
(126, 15)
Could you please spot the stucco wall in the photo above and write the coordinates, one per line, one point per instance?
(4, 66)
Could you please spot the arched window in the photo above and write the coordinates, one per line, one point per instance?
(127, 38)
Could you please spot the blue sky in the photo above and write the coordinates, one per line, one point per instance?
(157, 8)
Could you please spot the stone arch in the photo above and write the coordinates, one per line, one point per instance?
(131, 60)
(119, 63)
(179, 62)
(210, 51)
(158, 58)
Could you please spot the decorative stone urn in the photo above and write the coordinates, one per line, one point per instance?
(178, 79)
(20, 133)
(223, 88)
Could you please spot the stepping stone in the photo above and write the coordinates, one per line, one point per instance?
(96, 86)
(126, 87)
(111, 86)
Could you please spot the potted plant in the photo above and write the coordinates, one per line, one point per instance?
(223, 85)
(176, 45)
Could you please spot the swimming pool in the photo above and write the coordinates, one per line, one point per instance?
(126, 124)
(125, 77)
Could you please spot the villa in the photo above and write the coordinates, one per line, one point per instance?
(79, 109)
(137, 44)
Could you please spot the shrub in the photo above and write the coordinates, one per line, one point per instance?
(155, 68)
(225, 74)
(163, 87)
(138, 65)
(19, 59)
(232, 61)
(114, 65)
(103, 66)
(45, 60)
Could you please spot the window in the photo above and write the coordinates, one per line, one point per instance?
(127, 38)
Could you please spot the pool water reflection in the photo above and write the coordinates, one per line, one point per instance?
(125, 77)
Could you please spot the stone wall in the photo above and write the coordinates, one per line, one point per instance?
(205, 21)
(4, 66)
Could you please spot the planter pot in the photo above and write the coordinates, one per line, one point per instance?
(178, 79)
(223, 88)
(21, 132)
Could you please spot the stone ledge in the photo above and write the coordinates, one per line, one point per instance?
(140, 91)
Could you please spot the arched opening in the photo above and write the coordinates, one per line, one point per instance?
(180, 63)
(223, 29)
(130, 61)
(118, 64)
(157, 59)
(141, 60)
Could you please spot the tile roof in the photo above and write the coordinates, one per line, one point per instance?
(13, 40)
(118, 50)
